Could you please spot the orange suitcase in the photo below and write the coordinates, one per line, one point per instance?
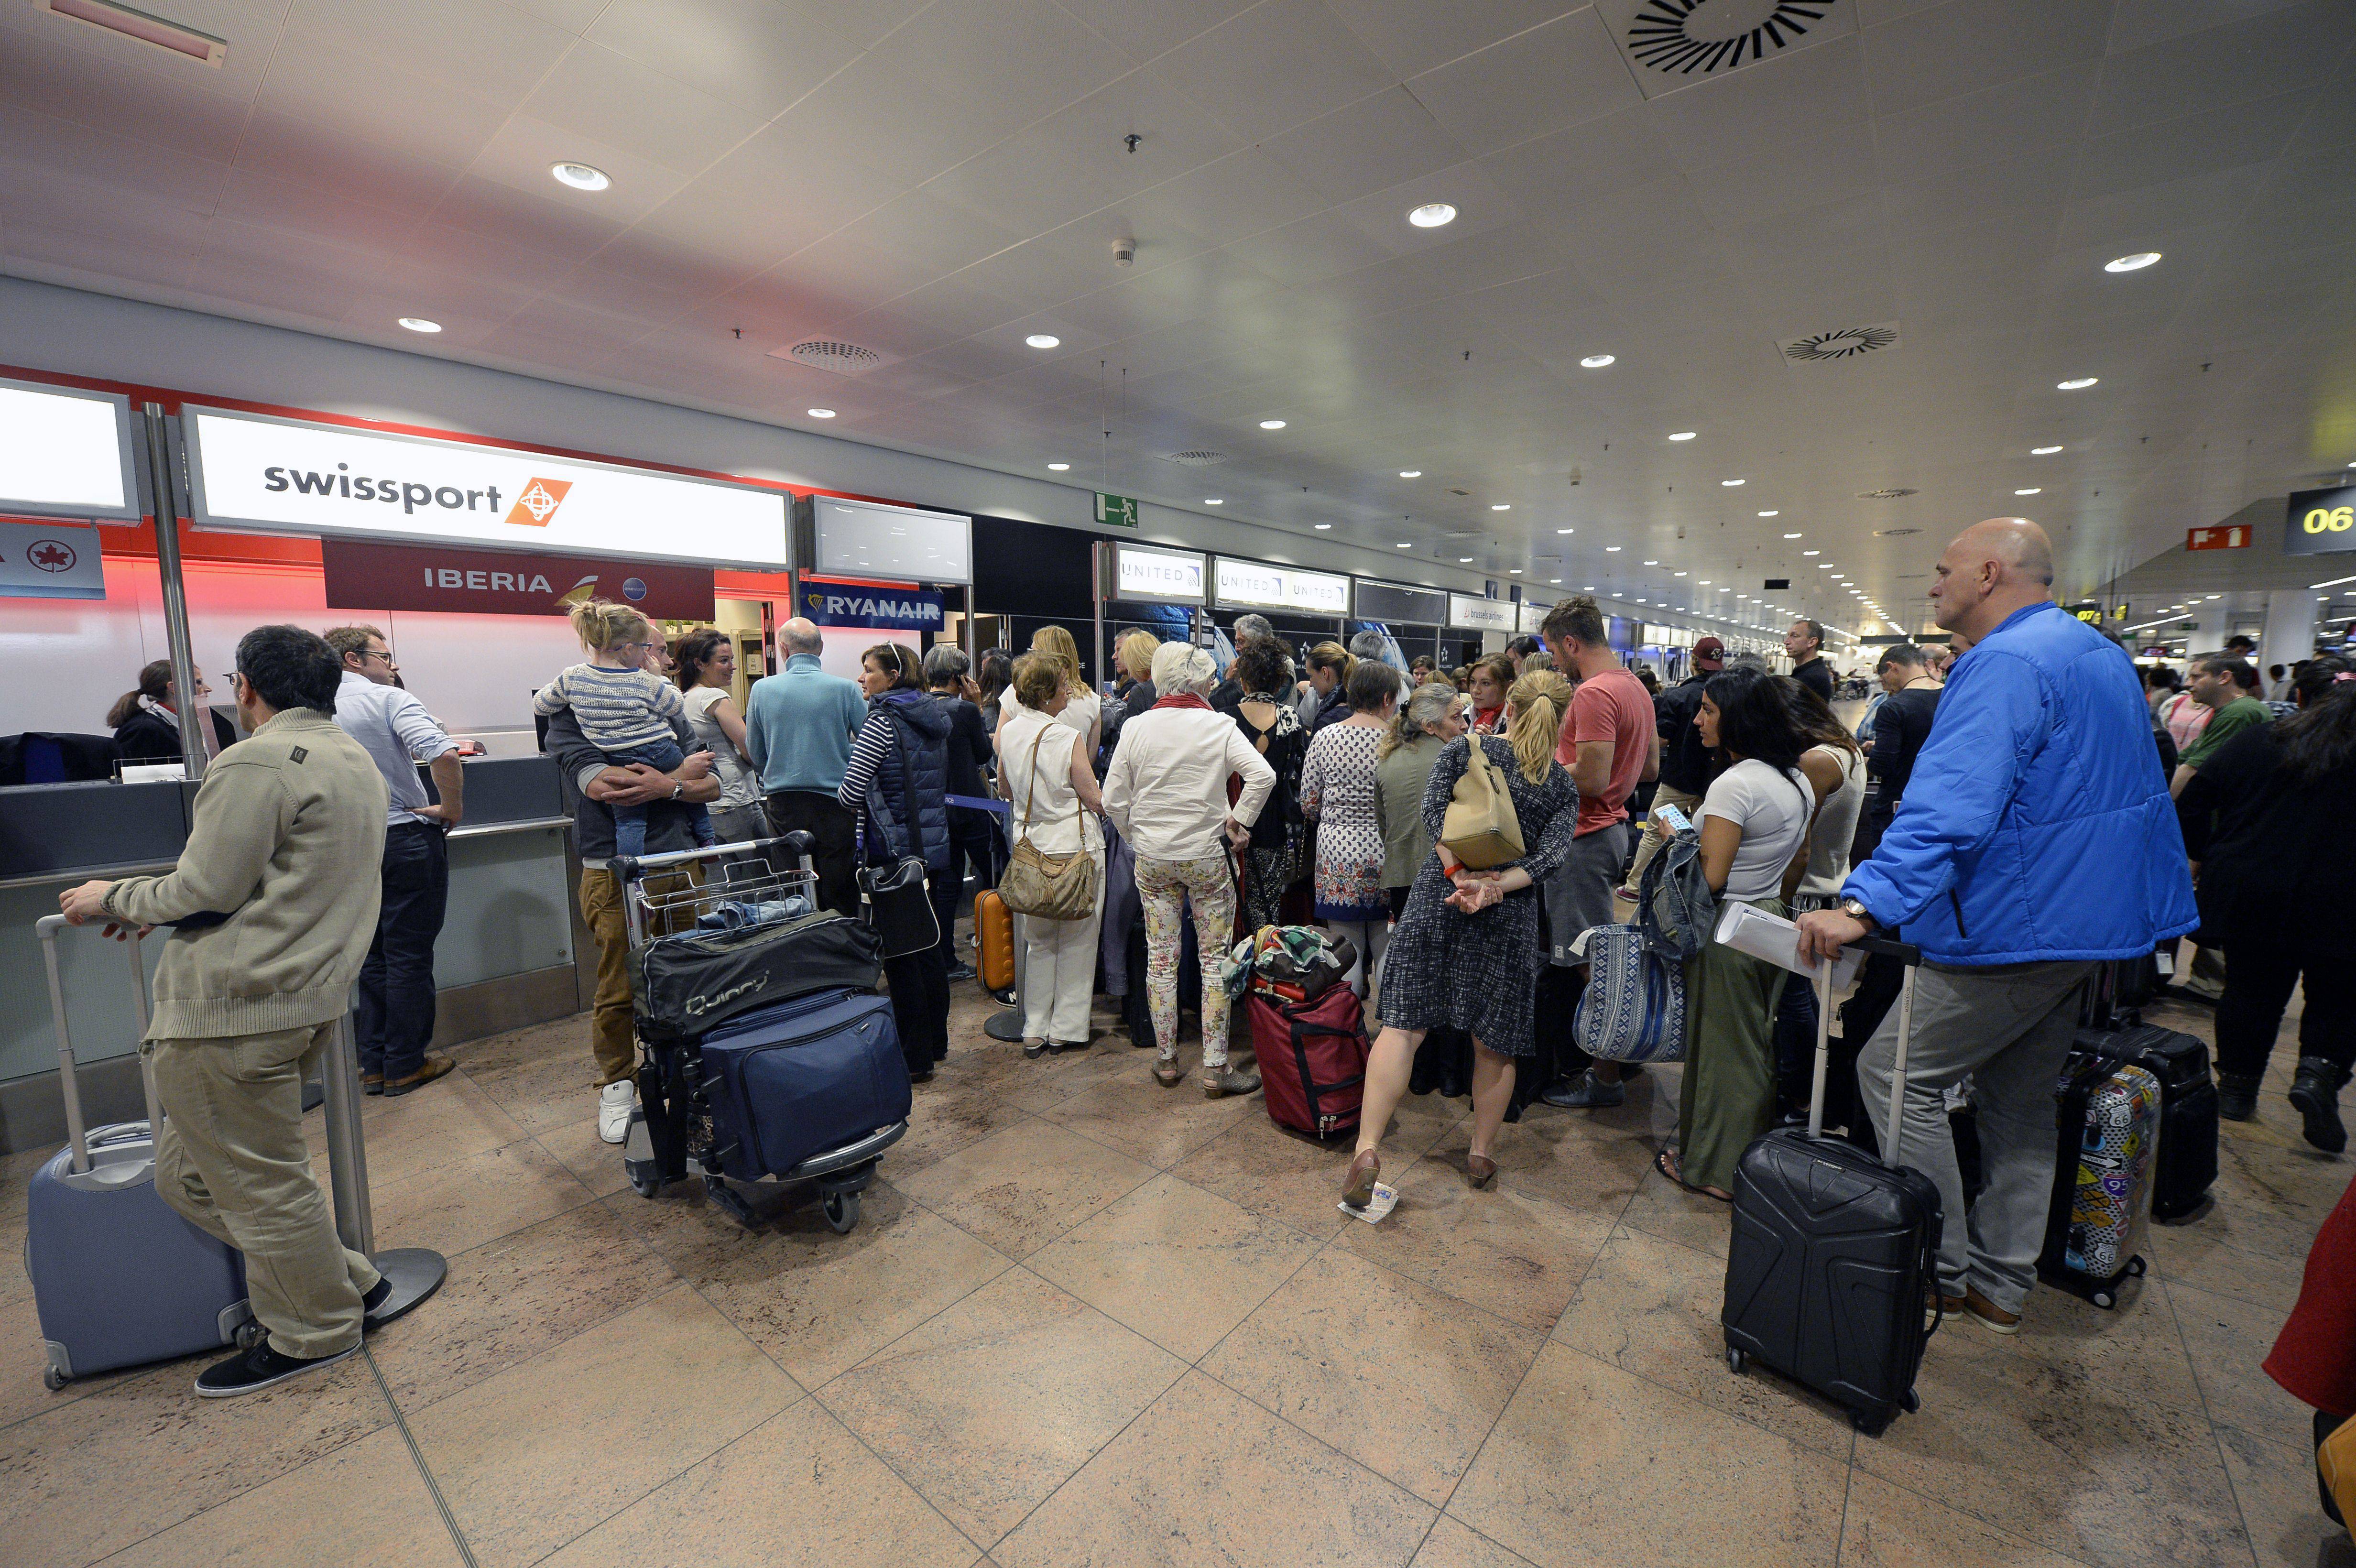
(993, 938)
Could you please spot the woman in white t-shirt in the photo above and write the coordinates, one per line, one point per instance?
(1754, 842)
(703, 662)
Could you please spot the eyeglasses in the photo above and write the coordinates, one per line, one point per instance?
(367, 654)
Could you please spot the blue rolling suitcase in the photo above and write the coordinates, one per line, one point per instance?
(118, 1277)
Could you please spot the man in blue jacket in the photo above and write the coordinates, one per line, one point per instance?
(2035, 840)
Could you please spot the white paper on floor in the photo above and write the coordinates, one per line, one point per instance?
(1385, 1199)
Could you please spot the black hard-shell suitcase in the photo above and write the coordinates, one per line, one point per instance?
(1833, 1252)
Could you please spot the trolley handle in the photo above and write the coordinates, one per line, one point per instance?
(630, 868)
(77, 1132)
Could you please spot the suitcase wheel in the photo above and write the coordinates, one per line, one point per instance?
(2104, 1299)
(1736, 1360)
(842, 1212)
(644, 1179)
(2135, 1267)
(1912, 1402)
(1871, 1425)
(52, 1379)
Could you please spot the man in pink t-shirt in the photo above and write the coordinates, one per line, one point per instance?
(1610, 744)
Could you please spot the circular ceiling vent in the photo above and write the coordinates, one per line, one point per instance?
(1198, 458)
(1846, 343)
(840, 358)
(1695, 38)
(1890, 494)
(1896, 533)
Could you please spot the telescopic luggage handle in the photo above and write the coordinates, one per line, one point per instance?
(77, 1132)
(630, 868)
(1907, 954)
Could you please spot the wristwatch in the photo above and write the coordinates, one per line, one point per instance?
(1856, 910)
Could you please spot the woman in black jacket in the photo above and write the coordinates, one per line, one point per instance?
(146, 720)
(897, 781)
(2269, 823)
(970, 837)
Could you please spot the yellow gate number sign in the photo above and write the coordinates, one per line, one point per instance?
(2329, 519)
(2321, 522)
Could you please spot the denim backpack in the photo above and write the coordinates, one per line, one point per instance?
(1633, 1008)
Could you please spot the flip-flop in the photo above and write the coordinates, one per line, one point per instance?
(1661, 1163)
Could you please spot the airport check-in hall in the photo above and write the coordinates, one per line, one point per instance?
(1024, 783)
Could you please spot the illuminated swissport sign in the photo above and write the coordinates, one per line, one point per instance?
(258, 474)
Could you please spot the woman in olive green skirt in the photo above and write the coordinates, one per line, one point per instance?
(1753, 824)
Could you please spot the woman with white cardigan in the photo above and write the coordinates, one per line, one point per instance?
(1167, 792)
(1044, 768)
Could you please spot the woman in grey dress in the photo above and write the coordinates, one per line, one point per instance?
(1466, 952)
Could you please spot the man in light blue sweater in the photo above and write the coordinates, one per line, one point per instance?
(798, 726)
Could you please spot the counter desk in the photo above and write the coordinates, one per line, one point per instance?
(510, 952)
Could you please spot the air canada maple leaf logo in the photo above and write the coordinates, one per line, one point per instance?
(539, 502)
(51, 555)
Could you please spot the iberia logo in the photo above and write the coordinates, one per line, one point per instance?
(539, 502)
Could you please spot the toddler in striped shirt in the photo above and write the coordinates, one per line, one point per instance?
(623, 710)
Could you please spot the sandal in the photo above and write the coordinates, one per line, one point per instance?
(1661, 1163)
(1167, 1072)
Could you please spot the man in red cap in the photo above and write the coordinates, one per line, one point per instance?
(1685, 761)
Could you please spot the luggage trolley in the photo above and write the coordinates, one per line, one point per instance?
(759, 912)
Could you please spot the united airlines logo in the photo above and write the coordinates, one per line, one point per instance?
(539, 502)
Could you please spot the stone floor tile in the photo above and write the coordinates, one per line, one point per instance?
(991, 1406)
(1504, 1251)
(1019, 1188)
(1590, 1466)
(1206, 1478)
(1175, 1262)
(509, 1299)
(1400, 1377)
(1653, 1307)
(1890, 1527)
(818, 1302)
(797, 1491)
(459, 1204)
(541, 1453)
(363, 1506)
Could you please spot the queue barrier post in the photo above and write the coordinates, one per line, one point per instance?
(1006, 1024)
(416, 1273)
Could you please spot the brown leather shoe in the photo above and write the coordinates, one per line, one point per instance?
(371, 1083)
(1481, 1169)
(435, 1066)
(1358, 1190)
(1937, 1306)
(1991, 1317)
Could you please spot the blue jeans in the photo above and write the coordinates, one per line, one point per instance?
(630, 821)
(396, 985)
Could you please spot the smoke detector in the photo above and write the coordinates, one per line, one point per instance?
(1124, 252)
(1890, 494)
(841, 358)
(1198, 458)
(1842, 343)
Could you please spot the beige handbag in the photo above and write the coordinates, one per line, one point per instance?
(1049, 887)
(1481, 829)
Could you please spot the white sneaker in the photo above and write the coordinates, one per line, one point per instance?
(615, 1103)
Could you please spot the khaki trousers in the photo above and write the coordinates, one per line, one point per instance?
(611, 1020)
(230, 1158)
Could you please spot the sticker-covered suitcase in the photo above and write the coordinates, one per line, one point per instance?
(2108, 1128)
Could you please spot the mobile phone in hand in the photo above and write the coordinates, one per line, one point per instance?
(1672, 820)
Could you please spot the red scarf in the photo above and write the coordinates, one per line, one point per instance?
(1182, 700)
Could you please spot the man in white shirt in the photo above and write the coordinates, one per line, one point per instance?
(395, 1019)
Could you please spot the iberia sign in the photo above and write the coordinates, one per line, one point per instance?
(364, 576)
(255, 474)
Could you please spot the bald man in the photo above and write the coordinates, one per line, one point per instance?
(798, 726)
(2036, 838)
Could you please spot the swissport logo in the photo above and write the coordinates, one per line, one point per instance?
(539, 502)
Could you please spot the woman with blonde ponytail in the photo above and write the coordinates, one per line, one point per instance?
(1466, 953)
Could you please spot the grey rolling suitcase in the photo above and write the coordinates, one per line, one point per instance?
(118, 1277)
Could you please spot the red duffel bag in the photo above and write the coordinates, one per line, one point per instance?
(1312, 1059)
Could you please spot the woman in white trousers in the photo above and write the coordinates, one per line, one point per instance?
(1045, 771)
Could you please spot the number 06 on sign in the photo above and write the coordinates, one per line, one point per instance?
(2321, 522)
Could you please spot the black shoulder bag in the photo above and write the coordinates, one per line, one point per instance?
(894, 898)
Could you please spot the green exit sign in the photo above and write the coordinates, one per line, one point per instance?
(1116, 511)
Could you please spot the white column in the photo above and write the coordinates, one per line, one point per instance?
(2207, 629)
(2289, 635)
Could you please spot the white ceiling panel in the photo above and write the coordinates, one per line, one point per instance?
(1279, 64)
(1149, 28)
(483, 46)
(1412, 37)
(520, 155)
(1365, 146)
(1022, 59)
(326, 157)
(596, 92)
(2018, 119)
(2197, 143)
(759, 55)
(1778, 100)
(1969, 45)
(1560, 73)
(184, 109)
(523, 219)
(2256, 56)
(35, 145)
(254, 22)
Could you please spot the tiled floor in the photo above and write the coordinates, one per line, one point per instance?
(1087, 1320)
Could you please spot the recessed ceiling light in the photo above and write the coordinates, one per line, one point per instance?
(1410, 473)
(1730, 483)
(419, 324)
(1058, 468)
(581, 177)
(1322, 526)
(1436, 214)
(2030, 491)
(2135, 263)
(2076, 384)
(1790, 535)
(2050, 451)
(1771, 514)
(1404, 544)
(1566, 530)
(1555, 579)
(1703, 583)
(821, 414)
(1044, 340)
(1612, 546)
(1271, 424)
(1812, 552)
(1464, 561)
(1513, 572)
(1647, 563)
(1681, 435)
(1501, 507)
(1824, 566)
(1596, 361)
(1589, 589)
(1222, 500)
(1676, 574)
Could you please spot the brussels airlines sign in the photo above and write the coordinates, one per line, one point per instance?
(255, 474)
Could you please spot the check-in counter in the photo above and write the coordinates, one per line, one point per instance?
(507, 956)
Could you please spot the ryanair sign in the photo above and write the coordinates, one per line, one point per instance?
(255, 474)
(867, 604)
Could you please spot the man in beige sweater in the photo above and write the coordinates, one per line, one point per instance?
(274, 905)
